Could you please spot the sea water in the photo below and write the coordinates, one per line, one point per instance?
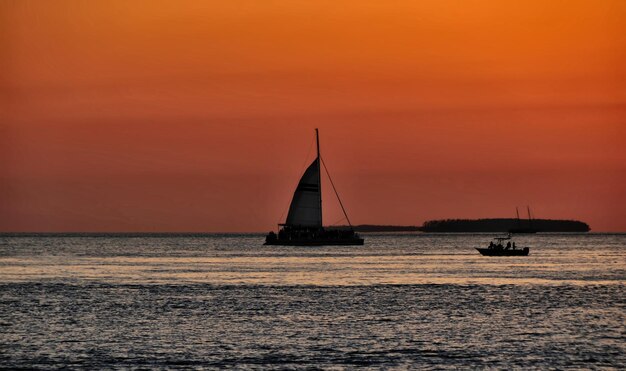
(226, 301)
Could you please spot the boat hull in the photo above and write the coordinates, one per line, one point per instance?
(316, 242)
(499, 252)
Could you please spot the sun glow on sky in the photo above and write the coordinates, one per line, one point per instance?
(199, 115)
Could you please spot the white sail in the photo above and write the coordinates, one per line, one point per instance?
(306, 205)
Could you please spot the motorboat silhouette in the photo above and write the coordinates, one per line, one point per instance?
(498, 248)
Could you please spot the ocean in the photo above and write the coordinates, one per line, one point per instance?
(407, 300)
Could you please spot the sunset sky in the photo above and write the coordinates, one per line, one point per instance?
(200, 115)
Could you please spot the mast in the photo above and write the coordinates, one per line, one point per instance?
(319, 173)
(530, 220)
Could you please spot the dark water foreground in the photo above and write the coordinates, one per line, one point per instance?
(222, 301)
(96, 325)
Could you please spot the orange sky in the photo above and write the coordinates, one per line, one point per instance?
(199, 115)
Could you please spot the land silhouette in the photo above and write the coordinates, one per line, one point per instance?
(478, 225)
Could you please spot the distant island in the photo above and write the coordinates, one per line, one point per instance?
(498, 225)
(503, 225)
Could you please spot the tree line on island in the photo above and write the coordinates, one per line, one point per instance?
(498, 225)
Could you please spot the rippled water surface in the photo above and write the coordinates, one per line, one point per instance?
(226, 301)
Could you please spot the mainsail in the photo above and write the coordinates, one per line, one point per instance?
(306, 205)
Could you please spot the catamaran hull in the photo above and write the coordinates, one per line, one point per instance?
(497, 252)
(325, 242)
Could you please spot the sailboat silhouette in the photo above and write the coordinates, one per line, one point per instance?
(521, 229)
(303, 226)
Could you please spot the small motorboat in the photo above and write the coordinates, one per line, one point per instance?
(498, 248)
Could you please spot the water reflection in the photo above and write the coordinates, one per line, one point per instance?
(401, 301)
(387, 259)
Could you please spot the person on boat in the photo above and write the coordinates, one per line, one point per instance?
(513, 245)
(508, 245)
(490, 244)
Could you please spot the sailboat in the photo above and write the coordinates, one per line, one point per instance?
(303, 226)
(520, 228)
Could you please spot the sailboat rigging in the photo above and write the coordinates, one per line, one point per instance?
(303, 226)
(520, 228)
